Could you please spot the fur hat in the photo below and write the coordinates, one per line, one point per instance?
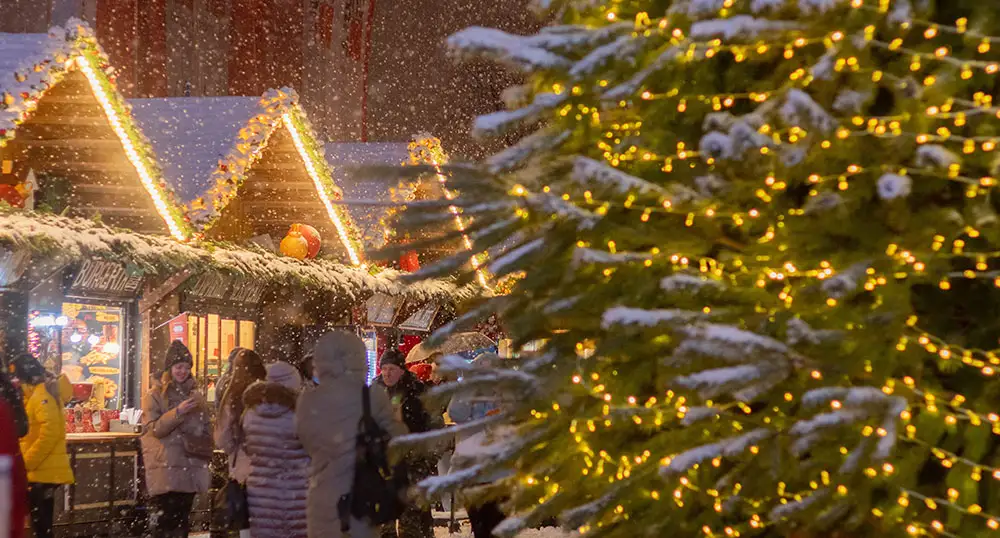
(284, 374)
(176, 354)
(394, 357)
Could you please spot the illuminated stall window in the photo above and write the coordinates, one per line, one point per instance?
(211, 338)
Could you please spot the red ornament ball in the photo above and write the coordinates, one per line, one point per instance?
(312, 237)
(9, 194)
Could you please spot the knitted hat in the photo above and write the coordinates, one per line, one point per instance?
(284, 374)
(28, 369)
(176, 354)
(394, 357)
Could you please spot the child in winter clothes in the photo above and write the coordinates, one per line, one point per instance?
(279, 466)
(44, 448)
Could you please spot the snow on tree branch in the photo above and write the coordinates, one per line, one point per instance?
(623, 47)
(513, 260)
(725, 342)
(730, 447)
(739, 26)
(587, 171)
(496, 123)
(621, 315)
(632, 85)
(533, 144)
(800, 109)
(514, 50)
(585, 255)
(681, 282)
(935, 156)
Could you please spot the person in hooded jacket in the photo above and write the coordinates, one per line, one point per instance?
(405, 392)
(326, 420)
(18, 491)
(176, 444)
(279, 466)
(44, 447)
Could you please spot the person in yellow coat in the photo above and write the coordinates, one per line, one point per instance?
(44, 448)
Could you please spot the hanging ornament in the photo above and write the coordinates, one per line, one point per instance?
(409, 261)
(10, 195)
(294, 245)
(312, 237)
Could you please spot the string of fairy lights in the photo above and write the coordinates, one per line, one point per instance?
(915, 261)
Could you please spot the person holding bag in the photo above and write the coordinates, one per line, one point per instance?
(327, 421)
(176, 444)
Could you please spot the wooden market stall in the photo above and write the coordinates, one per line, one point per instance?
(68, 146)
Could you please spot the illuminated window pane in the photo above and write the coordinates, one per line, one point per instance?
(92, 347)
(248, 330)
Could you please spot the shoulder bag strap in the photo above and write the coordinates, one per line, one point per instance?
(366, 403)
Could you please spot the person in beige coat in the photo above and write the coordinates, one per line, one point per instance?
(176, 445)
(327, 423)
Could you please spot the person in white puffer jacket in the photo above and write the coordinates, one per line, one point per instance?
(278, 485)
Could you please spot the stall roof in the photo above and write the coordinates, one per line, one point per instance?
(191, 135)
(70, 240)
(344, 158)
(215, 144)
(31, 65)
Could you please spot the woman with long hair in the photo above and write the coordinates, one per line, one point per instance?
(247, 368)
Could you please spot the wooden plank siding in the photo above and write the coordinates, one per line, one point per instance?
(277, 193)
(68, 136)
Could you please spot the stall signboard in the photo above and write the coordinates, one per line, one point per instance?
(382, 309)
(218, 287)
(422, 319)
(102, 278)
(13, 264)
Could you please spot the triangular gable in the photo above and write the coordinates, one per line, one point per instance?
(368, 199)
(63, 122)
(248, 167)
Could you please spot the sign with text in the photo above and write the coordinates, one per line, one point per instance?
(422, 319)
(218, 287)
(382, 309)
(98, 277)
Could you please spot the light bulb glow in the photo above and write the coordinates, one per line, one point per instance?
(331, 211)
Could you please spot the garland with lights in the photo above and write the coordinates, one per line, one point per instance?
(278, 107)
(75, 47)
(760, 242)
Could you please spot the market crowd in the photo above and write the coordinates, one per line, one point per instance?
(289, 431)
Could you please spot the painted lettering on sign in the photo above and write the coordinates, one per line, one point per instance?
(422, 319)
(382, 308)
(219, 287)
(105, 277)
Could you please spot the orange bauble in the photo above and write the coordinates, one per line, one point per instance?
(312, 237)
(294, 245)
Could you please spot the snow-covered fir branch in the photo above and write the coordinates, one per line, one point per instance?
(589, 172)
(586, 255)
(730, 447)
(935, 156)
(744, 26)
(798, 332)
(681, 282)
(496, 123)
(625, 46)
(633, 84)
(725, 342)
(697, 414)
(513, 259)
(621, 315)
(800, 109)
(518, 51)
(515, 156)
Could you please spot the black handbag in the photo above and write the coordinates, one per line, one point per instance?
(376, 495)
(231, 505)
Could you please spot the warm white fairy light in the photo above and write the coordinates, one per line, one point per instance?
(162, 207)
(321, 189)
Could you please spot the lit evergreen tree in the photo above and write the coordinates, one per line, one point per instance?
(759, 240)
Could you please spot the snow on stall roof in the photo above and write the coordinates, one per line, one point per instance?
(344, 158)
(19, 56)
(190, 135)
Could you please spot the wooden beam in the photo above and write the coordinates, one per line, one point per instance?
(153, 296)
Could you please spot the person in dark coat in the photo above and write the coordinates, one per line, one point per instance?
(10, 394)
(405, 391)
(279, 465)
(17, 474)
